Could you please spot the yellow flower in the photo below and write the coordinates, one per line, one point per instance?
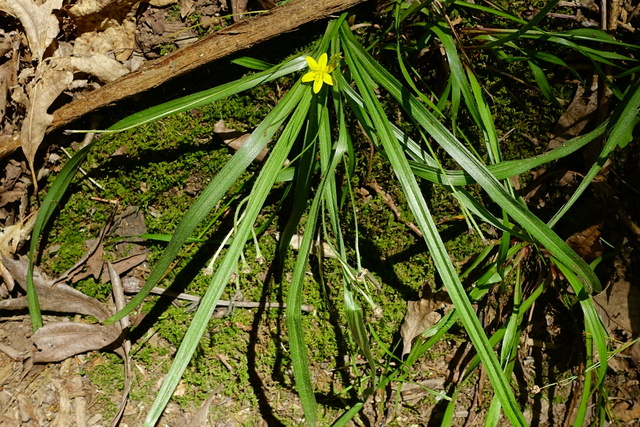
(320, 72)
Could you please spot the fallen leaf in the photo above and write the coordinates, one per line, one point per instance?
(118, 38)
(587, 243)
(100, 15)
(577, 115)
(238, 8)
(8, 144)
(38, 21)
(125, 264)
(92, 259)
(235, 139)
(617, 307)
(626, 411)
(101, 66)
(60, 340)
(200, 418)
(8, 78)
(88, 7)
(186, 7)
(130, 223)
(12, 236)
(421, 315)
(49, 84)
(162, 3)
(57, 298)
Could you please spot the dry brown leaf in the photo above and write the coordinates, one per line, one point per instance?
(125, 264)
(617, 307)
(58, 298)
(118, 38)
(90, 264)
(8, 144)
(91, 15)
(8, 78)
(37, 20)
(626, 411)
(92, 259)
(420, 316)
(12, 236)
(587, 243)
(47, 87)
(104, 68)
(186, 7)
(88, 7)
(60, 340)
(201, 417)
(162, 3)
(235, 139)
(577, 115)
(238, 8)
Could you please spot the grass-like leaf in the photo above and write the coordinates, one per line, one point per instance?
(361, 67)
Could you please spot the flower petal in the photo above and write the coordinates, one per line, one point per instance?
(317, 85)
(311, 63)
(310, 76)
(322, 62)
(331, 67)
(327, 79)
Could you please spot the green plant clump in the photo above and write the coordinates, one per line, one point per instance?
(438, 144)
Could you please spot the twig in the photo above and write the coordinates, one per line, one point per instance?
(389, 201)
(133, 288)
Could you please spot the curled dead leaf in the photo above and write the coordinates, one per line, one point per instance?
(104, 68)
(12, 236)
(49, 84)
(60, 340)
(57, 298)
(420, 316)
(38, 21)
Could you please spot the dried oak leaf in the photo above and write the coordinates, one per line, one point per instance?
(420, 316)
(38, 21)
(587, 243)
(60, 340)
(48, 85)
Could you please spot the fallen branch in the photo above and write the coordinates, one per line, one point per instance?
(131, 288)
(225, 42)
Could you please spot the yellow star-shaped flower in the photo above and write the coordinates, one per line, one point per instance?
(320, 72)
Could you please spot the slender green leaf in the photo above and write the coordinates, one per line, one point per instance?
(298, 98)
(360, 67)
(252, 63)
(48, 207)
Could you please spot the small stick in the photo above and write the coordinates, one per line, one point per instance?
(132, 289)
(389, 201)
